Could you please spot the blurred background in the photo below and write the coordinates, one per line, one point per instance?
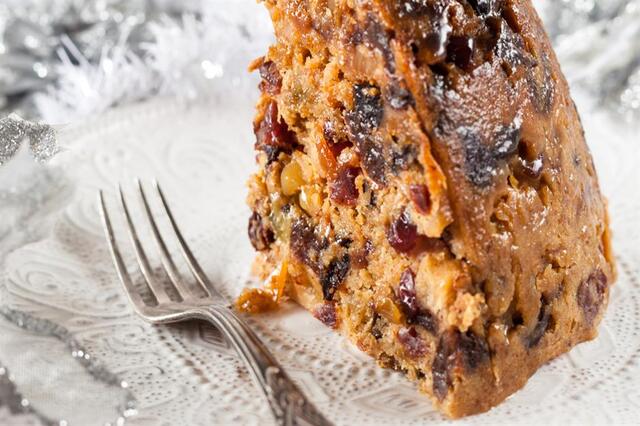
(62, 60)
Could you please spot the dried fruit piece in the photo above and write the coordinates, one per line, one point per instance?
(256, 300)
(456, 352)
(372, 154)
(403, 159)
(530, 169)
(406, 294)
(271, 81)
(460, 51)
(272, 134)
(260, 235)
(427, 320)
(375, 36)
(327, 314)
(544, 318)
(413, 344)
(304, 245)
(486, 7)
(334, 275)
(591, 294)
(398, 96)
(387, 309)
(367, 112)
(343, 187)
(421, 198)
(403, 234)
(483, 157)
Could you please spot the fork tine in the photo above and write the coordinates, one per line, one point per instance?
(121, 269)
(157, 289)
(193, 264)
(169, 266)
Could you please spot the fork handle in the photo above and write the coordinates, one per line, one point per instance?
(288, 404)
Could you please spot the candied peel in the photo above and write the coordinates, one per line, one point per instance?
(268, 298)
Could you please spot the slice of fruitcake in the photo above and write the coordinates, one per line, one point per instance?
(424, 187)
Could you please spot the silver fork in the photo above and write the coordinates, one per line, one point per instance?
(287, 402)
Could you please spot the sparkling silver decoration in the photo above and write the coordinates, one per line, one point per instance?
(14, 130)
(12, 133)
(18, 404)
(598, 43)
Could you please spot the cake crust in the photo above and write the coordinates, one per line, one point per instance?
(424, 187)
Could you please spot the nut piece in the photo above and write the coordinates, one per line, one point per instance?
(291, 178)
(311, 199)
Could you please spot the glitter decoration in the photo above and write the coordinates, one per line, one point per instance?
(17, 403)
(13, 132)
(42, 141)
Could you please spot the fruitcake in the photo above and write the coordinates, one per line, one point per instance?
(424, 187)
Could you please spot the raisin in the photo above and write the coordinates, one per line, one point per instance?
(486, 7)
(413, 344)
(473, 349)
(456, 352)
(406, 294)
(260, 235)
(334, 275)
(375, 36)
(304, 244)
(440, 369)
(460, 51)
(403, 234)
(544, 318)
(376, 331)
(427, 320)
(479, 163)
(541, 85)
(403, 159)
(481, 159)
(591, 293)
(507, 140)
(273, 135)
(398, 96)
(412, 8)
(510, 48)
(359, 259)
(336, 145)
(436, 44)
(421, 198)
(530, 169)
(343, 187)
(271, 81)
(372, 155)
(367, 112)
(344, 242)
(326, 313)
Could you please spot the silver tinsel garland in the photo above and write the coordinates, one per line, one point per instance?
(61, 60)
